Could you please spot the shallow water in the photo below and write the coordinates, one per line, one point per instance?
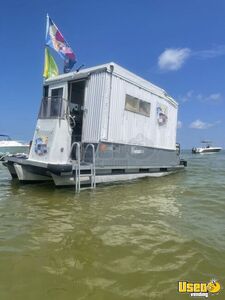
(132, 240)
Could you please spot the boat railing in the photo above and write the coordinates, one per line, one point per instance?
(53, 108)
(4, 137)
(93, 169)
(76, 165)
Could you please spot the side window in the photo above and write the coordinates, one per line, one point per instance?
(131, 104)
(45, 91)
(44, 107)
(45, 101)
(137, 106)
(144, 108)
(53, 105)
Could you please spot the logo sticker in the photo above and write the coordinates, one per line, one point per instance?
(41, 144)
(199, 289)
(162, 114)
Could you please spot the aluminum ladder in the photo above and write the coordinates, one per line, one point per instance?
(78, 166)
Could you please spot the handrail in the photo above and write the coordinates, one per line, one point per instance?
(93, 152)
(77, 170)
(77, 165)
(77, 152)
(93, 182)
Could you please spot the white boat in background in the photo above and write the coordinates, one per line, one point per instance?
(9, 146)
(206, 148)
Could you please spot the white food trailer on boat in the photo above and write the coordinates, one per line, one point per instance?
(101, 124)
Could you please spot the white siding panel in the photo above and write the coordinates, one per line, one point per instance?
(132, 128)
(116, 111)
(106, 107)
(94, 96)
(166, 134)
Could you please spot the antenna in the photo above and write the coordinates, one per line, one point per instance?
(80, 67)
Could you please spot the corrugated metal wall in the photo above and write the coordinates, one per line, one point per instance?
(135, 129)
(106, 118)
(95, 93)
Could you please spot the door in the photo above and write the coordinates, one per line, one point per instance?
(76, 108)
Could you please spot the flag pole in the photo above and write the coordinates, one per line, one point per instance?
(47, 27)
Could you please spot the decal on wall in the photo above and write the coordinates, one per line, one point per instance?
(162, 114)
(41, 144)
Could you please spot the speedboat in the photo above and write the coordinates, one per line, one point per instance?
(206, 148)
(9, 146)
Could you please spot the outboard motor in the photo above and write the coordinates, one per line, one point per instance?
(193, 150)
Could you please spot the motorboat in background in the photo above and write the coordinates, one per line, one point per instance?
(206, 148)
(9, 146)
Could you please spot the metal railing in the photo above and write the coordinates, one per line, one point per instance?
(77, 166)
(93, 171)
(53, 108)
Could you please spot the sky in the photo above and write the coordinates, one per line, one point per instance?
(178, 45)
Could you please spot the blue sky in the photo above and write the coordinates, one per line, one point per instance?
(178, 45)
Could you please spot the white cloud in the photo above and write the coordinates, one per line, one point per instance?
(199, 97)
(173, 59)
(214, 97)
(210, 53)
(179, 124)
(187, 97)
(198, 124)
(191, 95)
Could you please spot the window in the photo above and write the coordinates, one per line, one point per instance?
(45, 91)
(53, 106)
(56, 102)
(144, 108)
(132, 104)
(137, 106)
(44, 107)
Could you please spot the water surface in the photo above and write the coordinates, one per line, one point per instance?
(130, 240)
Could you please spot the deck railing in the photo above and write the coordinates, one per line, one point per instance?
(53, 108)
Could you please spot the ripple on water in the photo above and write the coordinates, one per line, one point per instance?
(130, 240)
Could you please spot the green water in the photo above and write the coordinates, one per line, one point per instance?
(123, 241)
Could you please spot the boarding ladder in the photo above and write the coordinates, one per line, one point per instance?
(78, 166)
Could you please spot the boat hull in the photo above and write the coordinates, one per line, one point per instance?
(24, 174)
(70, 180)
(206, 150)
(63, 175)
(113, 162)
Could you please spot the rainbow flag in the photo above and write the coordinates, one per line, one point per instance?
(50, 69)
(55, 40)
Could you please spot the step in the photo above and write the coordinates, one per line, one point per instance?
(86, 175)
(89, 167)
(86, 188)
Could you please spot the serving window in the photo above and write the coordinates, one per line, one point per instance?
(137, 106)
